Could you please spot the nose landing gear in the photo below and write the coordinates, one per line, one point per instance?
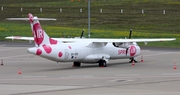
(132, 59)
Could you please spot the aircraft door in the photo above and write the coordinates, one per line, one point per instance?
(66, 54)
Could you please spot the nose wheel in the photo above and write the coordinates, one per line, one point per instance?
(132, 59)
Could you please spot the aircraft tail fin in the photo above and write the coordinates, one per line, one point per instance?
(40, 36)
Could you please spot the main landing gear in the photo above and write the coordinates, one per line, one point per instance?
(76, 64)
(132, 59)
(102, 63)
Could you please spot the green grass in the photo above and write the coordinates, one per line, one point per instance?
(109, 24)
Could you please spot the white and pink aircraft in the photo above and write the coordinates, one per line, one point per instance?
(80, 50)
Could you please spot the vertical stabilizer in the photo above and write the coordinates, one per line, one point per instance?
(40, 36)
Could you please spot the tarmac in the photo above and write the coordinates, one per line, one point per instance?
(158, 74)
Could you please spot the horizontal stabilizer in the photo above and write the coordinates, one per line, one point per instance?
(35, 18)
(19, 38)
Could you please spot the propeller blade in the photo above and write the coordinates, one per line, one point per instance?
(126, 51)
(130, 33)
(82, 33)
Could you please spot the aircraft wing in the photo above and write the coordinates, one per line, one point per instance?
(134, 40)
(64, 40)
(94, 40)
(103, 42)
(32, 38)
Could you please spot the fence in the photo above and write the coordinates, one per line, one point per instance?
(101, 10)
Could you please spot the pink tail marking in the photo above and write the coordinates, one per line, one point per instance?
(30, 17)
(40, 37)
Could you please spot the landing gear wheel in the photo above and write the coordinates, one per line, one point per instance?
(76, 64)
(132, 59)
(102, 63)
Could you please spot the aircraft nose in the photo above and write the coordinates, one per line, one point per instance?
(36, 51)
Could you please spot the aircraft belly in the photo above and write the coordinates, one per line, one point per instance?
(92, 55)
(91, 59)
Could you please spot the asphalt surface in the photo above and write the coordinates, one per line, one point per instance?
(39, 76)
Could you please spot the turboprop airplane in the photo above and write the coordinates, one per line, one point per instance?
(82, 50)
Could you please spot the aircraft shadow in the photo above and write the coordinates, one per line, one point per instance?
(85, 66)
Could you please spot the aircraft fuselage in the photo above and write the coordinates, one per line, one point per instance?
(73, 52)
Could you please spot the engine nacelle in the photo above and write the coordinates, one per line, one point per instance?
(121, 45)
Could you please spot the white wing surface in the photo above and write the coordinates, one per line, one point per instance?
(20, 38)
(98, 40)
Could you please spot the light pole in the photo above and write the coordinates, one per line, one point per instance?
(89, 35)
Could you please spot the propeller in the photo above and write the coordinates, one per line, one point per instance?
(130, 32)
(82, 34)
